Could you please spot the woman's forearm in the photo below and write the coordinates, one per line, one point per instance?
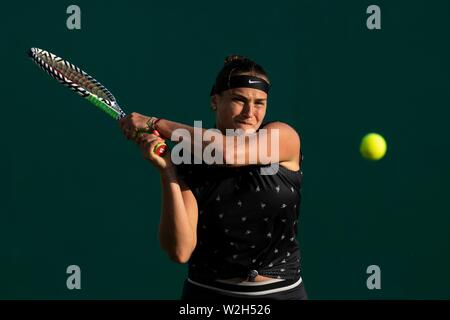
(167, 127)
(198, 142)
(277, 142)
(176, 231)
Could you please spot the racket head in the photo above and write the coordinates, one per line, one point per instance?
(77, 80)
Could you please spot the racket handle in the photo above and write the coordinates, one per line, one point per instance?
(161, 148)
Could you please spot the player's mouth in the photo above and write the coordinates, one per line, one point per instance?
(244, 122)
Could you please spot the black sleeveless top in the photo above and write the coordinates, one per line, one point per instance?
(247, 221)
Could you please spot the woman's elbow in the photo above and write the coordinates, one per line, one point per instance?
(181, 259)
(180, 256)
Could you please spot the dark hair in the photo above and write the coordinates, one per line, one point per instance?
(238, 65)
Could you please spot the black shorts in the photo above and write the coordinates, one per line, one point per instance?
(192, 292)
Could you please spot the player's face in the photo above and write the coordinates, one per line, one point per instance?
(240, 108)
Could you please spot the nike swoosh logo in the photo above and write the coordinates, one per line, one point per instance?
(251, 81)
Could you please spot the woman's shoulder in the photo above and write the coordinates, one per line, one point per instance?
(289, 139)
(278, 124)
(287, 132)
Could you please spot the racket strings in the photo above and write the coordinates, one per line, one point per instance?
(74, 74)
(74, 78)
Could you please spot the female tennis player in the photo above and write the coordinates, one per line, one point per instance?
(235, 224)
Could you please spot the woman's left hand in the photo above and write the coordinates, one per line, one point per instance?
(132, 124)
(147, 143)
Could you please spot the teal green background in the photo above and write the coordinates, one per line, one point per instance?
(75, 191)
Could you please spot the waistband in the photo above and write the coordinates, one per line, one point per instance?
(254, 289)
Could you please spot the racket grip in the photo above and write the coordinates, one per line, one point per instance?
(161, 148)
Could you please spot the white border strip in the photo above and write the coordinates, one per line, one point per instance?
(249, 283)
(239, 293)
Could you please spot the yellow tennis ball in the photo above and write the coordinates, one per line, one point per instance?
(373, 146)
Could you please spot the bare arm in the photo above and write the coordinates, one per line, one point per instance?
(179, 214)
(178, 223)
(278, 143)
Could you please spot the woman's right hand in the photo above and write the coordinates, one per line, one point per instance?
(147, 143)
(133, 124)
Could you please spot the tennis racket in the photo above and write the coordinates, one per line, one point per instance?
(86, 86)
